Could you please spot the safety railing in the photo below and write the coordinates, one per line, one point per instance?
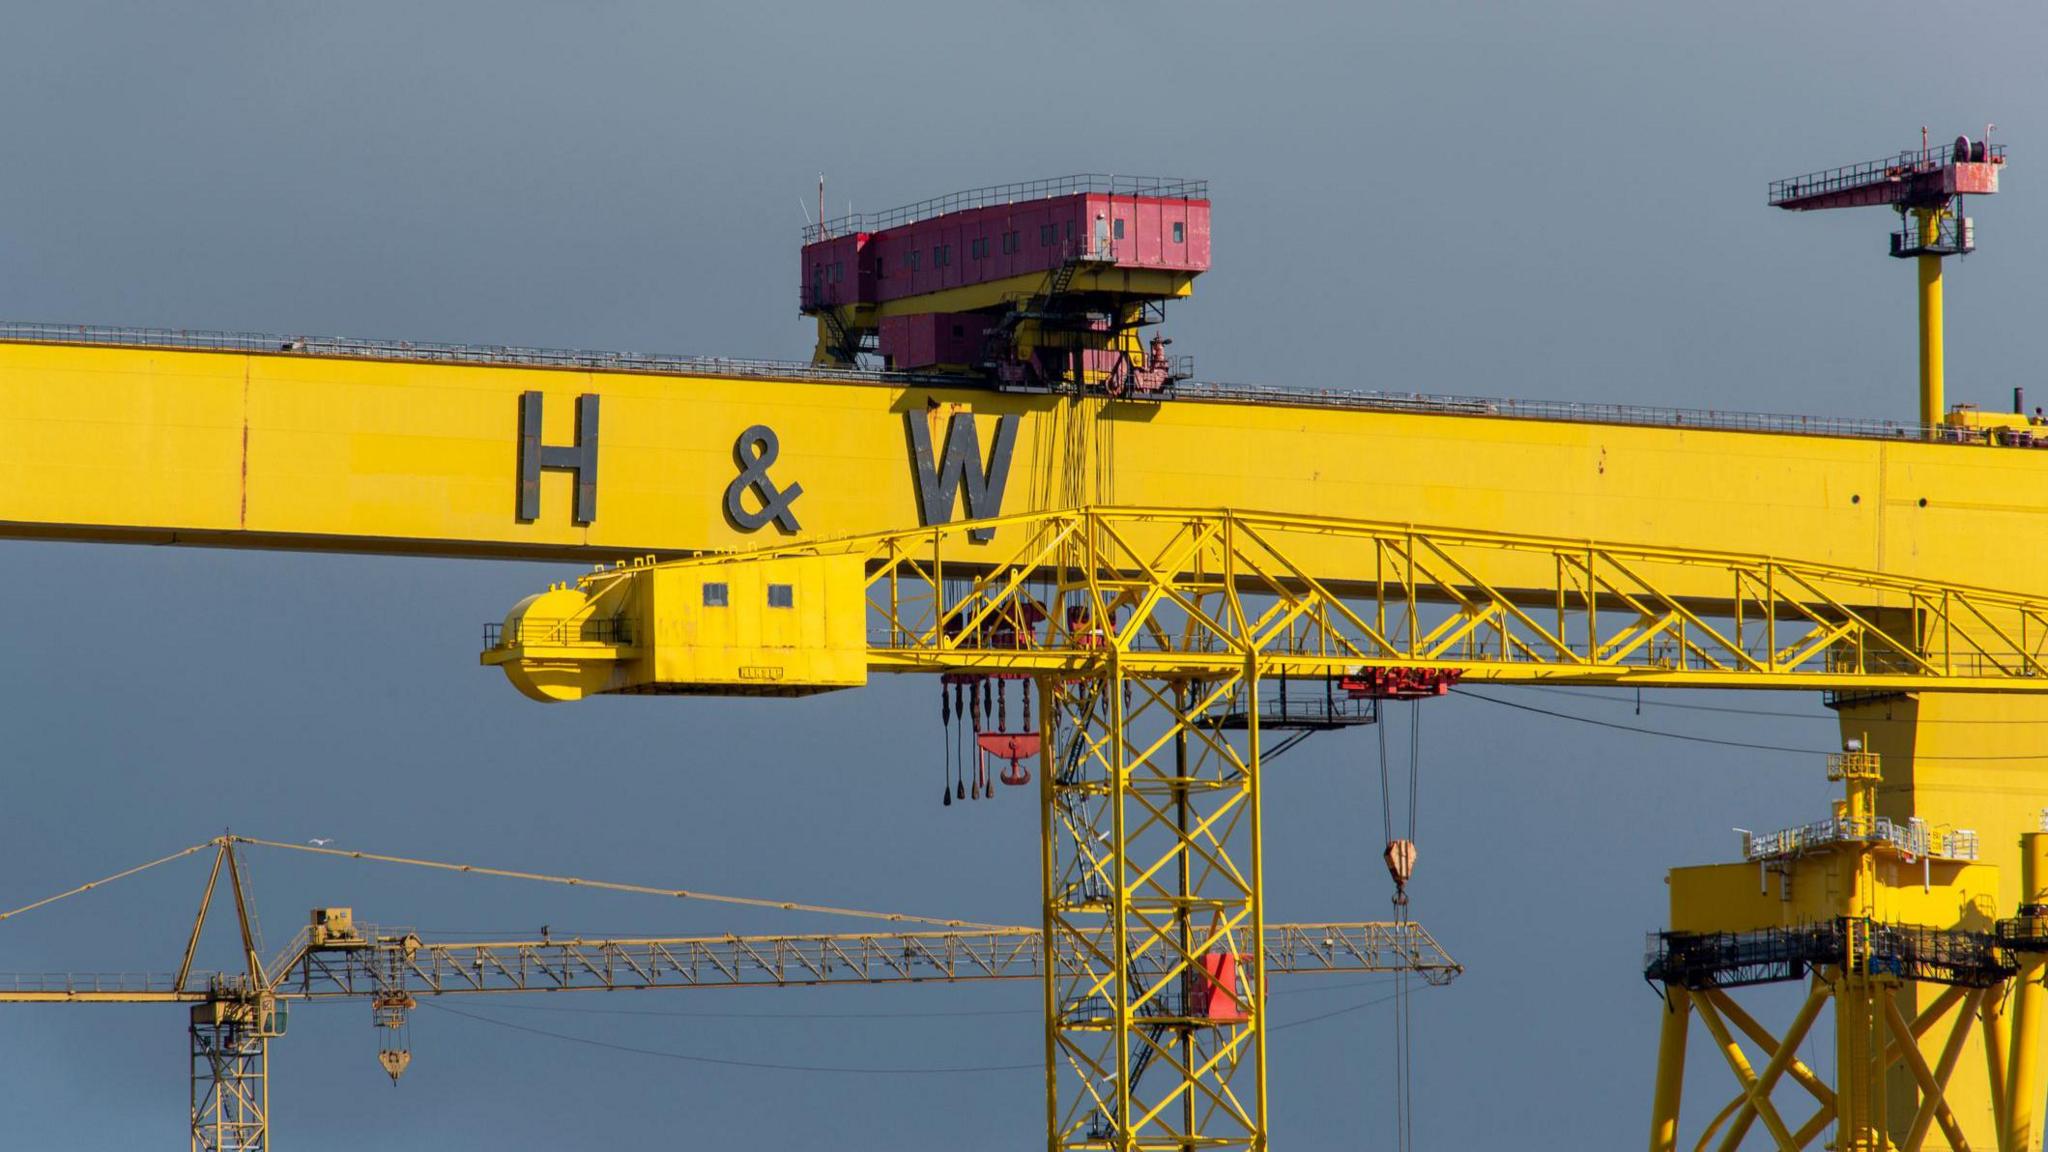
(1429, 404)
(1911, 838)
(1420, 403)
(995, 195)
(1911, 162)
(1907, 951)
(95, 983)
(606, 630)
(207, 340)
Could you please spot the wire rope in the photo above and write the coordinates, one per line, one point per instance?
(614, 886)
(1714, 740)
(105, 880)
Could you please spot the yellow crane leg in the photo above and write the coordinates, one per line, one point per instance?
(1964, 760)
(2023, 1087)
(1932, 406)
(1670, 1070)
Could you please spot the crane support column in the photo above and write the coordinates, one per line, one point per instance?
(2023, 1087)
(1156, 1037)
(1670, 1070)
(230, 1077)
(1932, 404)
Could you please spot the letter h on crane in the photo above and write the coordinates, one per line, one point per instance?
(579, 458)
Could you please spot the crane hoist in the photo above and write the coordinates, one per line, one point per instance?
(235, 1015)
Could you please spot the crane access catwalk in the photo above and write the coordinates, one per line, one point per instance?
(1910, 178)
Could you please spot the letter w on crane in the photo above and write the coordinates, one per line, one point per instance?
(960, 469)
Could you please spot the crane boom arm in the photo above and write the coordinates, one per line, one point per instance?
(373, 963)
(1198, 594)
(423, 968)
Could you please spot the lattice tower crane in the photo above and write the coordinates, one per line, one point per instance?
(1145, 629)
(234, 1015)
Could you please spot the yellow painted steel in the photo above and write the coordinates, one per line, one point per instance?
(294, 450)
(308, 451)
(1170, 593)
(1115, 613)
(1670, 1083)
(1899, 1075)
(2023, 1086)
(1927, 222)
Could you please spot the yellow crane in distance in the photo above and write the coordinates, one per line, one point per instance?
(234, 1015)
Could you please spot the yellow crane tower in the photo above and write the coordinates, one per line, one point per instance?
(1156, 562)
(1146, 630)
(235, 1015)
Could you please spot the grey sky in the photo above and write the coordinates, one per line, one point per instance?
(1561, 200)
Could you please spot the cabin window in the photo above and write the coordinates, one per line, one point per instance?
(714, 595)
(782, 595)
(1117, 231)
(1045, 234)
(1180, 232)
(1009, 243)
(942, 255)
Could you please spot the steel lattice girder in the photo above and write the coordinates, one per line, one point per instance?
(1181, 594)
(1156, 1026)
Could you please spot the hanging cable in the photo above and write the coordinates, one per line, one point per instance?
(1404, 1027)
(1400, 859)
(612, 886)
(1690, 738)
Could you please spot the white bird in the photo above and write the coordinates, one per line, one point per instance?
(319, 842)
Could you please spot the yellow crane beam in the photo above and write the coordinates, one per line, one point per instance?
(404, 448)
(1201, 594)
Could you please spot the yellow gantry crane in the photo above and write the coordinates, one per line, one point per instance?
(235, 1015)
(1032, 527)
(1148, 631)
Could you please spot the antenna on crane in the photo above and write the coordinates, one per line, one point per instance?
(1927, 189)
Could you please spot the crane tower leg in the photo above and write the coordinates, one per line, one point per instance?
(1964, 760)
(1670, 1070)
(2023, 1085)
(230, 1078)
(1156, 1030)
